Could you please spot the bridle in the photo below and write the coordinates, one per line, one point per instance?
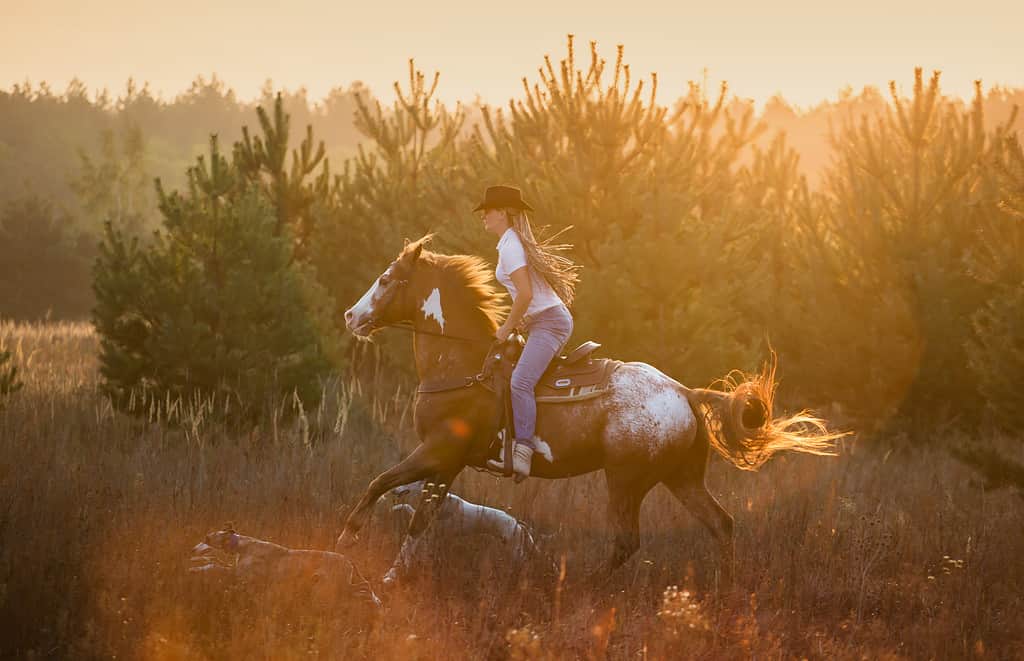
(407, 326)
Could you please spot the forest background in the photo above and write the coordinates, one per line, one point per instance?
(874, 242)
(717, 231)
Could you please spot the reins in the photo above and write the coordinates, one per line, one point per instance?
(412, 329)
(453, 383)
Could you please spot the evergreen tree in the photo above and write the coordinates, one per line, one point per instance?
(214, 305)
(996, 350)
(906, 192)
(402, 183)
(44, 262)
(261, 162)
(651, 198)
(116, 185)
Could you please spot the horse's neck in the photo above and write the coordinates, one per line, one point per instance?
(461, 354)
(439, 358)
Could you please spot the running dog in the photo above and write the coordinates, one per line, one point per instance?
(457, 517)
(323, 577)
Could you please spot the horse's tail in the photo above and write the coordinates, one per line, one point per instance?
(740, 425)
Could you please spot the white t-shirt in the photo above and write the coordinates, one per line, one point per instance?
(512, 257)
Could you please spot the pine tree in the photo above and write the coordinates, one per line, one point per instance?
(650, 196)
(116, 185)
(403, 183)
(906, 192)
(261, 161)
(996, 349)
(44, 262)
(214, 305)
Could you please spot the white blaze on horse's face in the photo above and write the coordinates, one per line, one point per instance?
(432, 308)
(361, 317)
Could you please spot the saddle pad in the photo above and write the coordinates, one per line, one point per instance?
(572, 383)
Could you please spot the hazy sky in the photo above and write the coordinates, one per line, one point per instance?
(806, 50)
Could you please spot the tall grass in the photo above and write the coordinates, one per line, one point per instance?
(878, 553)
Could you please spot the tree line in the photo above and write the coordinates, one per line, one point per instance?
(889, 284)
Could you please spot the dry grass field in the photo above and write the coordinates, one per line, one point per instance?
(885, 552)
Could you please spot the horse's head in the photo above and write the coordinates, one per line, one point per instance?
(386, 301)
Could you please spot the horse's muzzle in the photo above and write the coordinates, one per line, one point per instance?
(364, 328)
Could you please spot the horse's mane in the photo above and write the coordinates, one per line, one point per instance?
(470, 272)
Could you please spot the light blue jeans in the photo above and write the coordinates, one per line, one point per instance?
(547, 332)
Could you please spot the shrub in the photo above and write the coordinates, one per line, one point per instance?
(215, 305)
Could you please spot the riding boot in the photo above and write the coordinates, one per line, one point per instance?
(522, 460)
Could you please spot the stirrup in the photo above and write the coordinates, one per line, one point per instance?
(497, 466)
(522, 459)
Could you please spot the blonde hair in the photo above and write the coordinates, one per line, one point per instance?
(542, 256)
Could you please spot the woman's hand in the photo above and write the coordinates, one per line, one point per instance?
(502, 333)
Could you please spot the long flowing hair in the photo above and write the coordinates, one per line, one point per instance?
(560, 272)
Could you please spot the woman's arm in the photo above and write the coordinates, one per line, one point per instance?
(524, 294)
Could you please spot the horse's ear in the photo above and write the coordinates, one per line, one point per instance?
(405, 243)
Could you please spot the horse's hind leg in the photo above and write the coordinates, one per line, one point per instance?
(695, 496)
(626, 492)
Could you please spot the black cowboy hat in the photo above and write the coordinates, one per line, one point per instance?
(503, 197)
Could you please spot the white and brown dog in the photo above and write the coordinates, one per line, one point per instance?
(457, 517)
(323, 577)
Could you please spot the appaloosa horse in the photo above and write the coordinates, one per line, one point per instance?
(647, 429)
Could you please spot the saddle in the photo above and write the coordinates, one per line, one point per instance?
(573, 377)
(576, 376)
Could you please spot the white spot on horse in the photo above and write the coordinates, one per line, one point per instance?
(650, 410)
(543, 449)
(432, 308)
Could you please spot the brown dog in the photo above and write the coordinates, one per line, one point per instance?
(320, 578)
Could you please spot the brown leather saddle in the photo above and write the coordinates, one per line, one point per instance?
(573, 377)
(576, 376)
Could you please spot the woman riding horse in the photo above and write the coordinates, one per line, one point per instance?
(645, 429)
(542, 285)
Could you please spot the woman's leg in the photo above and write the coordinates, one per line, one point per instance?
(547, 335)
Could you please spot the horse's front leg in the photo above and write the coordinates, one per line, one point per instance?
(423, 462)
(431, 501)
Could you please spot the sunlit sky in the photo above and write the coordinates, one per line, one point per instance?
(805, 50)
